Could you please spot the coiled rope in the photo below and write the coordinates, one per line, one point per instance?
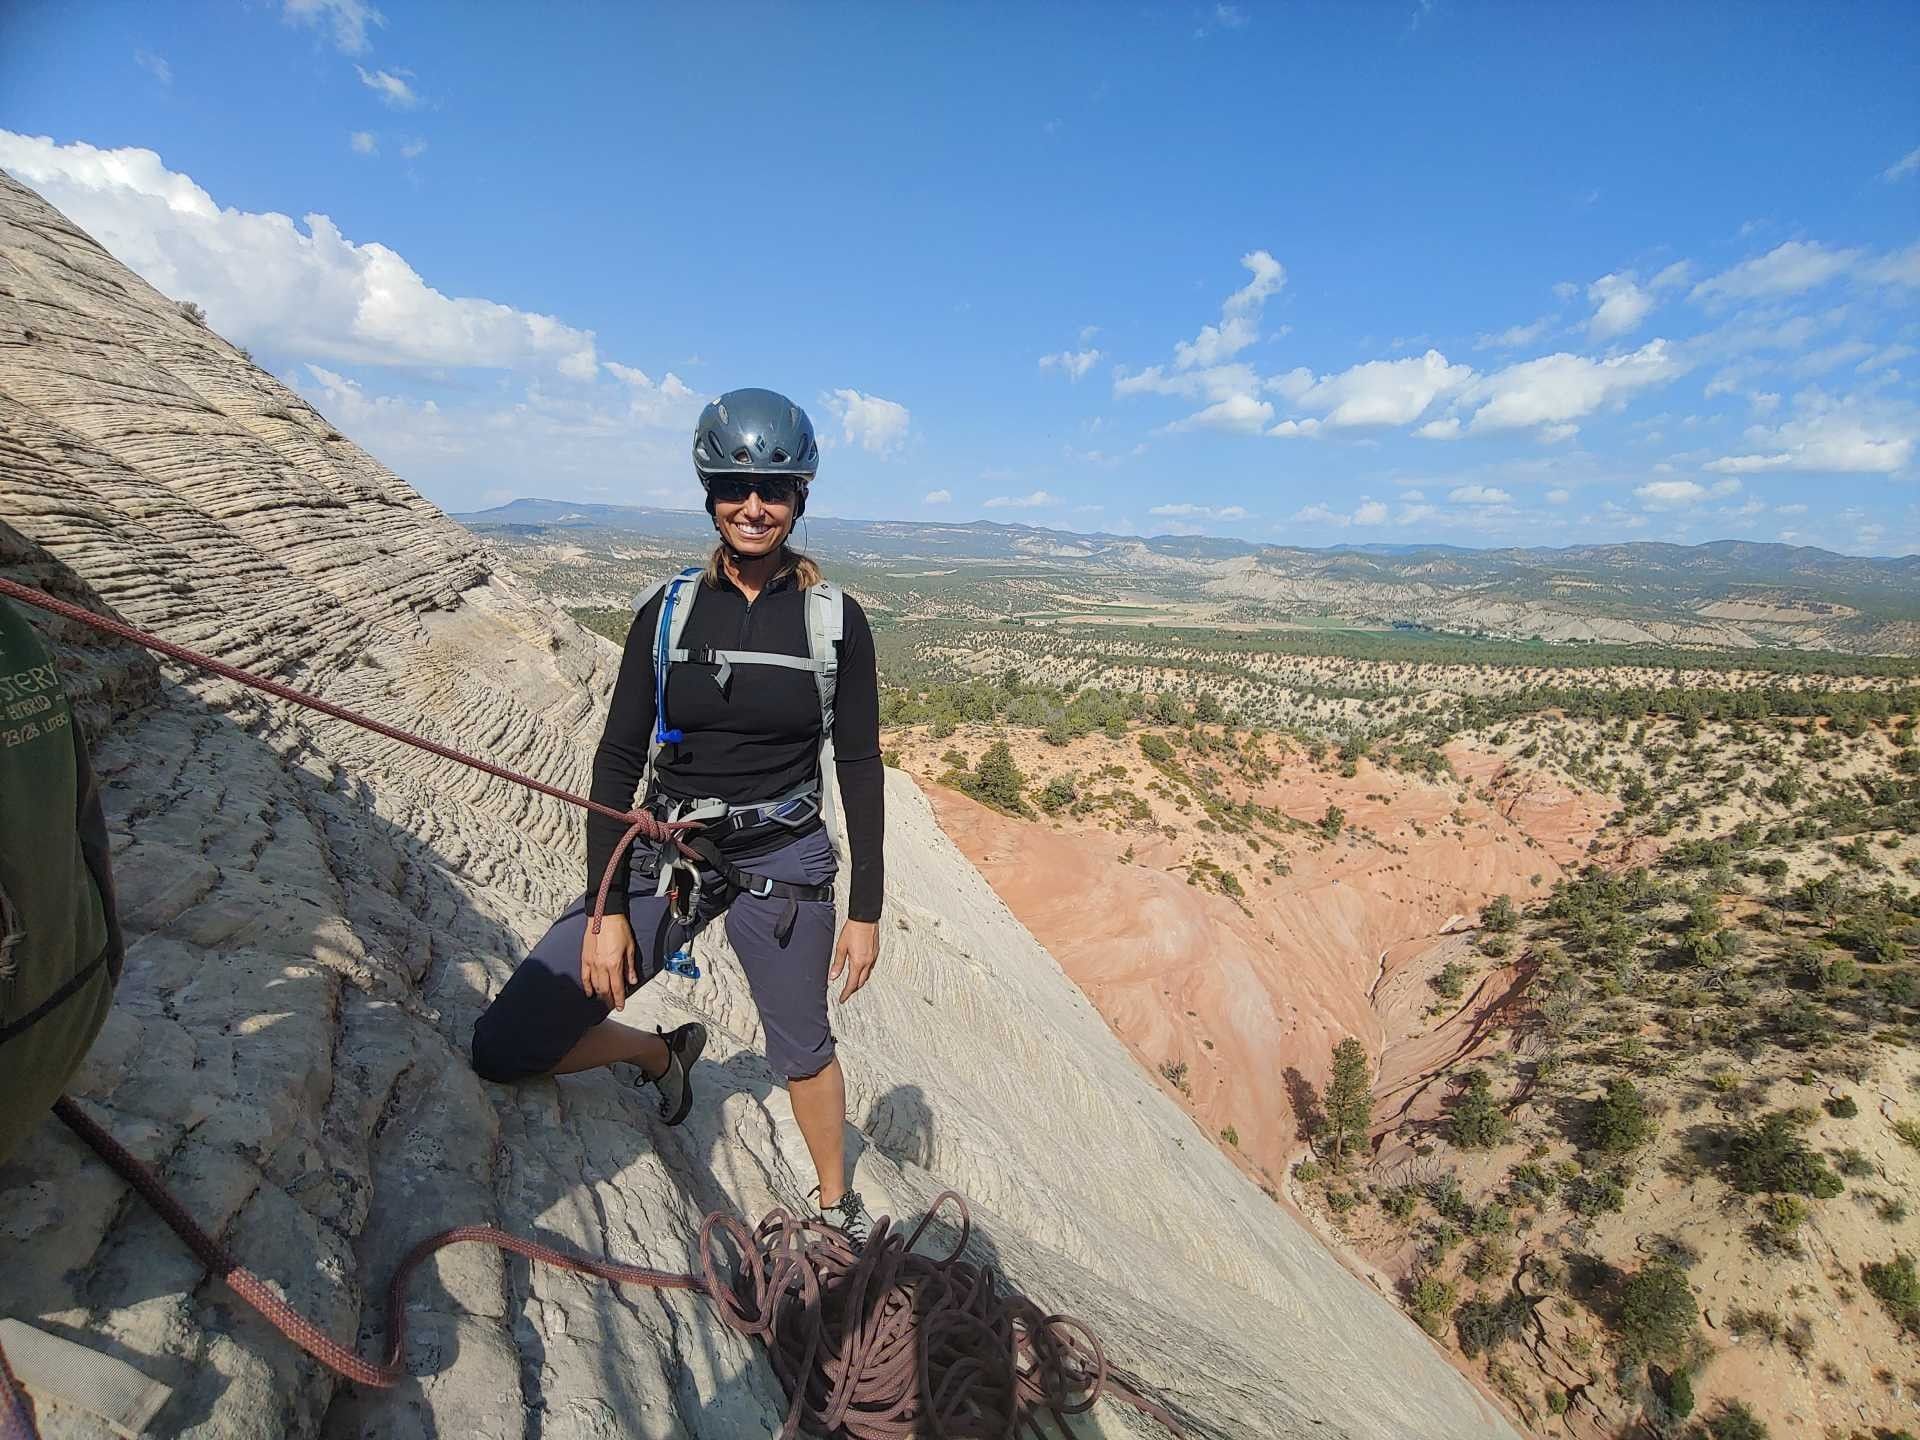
(872, 1342)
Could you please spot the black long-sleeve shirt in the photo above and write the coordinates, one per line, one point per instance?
(758, 740)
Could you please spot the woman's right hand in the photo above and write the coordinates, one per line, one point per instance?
(607, 961)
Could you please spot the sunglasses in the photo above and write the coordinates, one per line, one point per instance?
(772, 489)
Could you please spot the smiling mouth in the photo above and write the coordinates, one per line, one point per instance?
(755, 531)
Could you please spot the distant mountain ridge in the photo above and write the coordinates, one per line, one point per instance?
(1731, 593)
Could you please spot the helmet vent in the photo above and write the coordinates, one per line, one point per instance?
(742, 455)
(780, 457)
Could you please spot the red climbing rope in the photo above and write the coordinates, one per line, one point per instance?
(870, 1342)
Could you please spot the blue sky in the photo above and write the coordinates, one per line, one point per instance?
(1480, 274)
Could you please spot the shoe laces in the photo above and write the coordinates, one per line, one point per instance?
(850, 1213)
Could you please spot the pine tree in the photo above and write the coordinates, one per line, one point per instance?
(1348, 1102)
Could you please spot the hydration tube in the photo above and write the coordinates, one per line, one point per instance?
(662, 646)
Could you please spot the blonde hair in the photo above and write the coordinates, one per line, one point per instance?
(804, 568)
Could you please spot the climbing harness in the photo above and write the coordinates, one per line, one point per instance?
(870, 1343)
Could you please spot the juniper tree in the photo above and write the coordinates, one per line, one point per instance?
(1348, 1103)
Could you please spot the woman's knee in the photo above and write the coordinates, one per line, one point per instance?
(493, 1052)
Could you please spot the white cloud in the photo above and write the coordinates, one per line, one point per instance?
(1240, 413)
(1239, 323)
(1384, 392)
(364, 142)
(456, 448)
(875, 425)
(1619, 306)
(1844, 437)
(671, 404)
(391, 86)
(1899, 268)
(1794, 509)
(1562, 387)
(1321, 515)
(1217, 382)
(154, 65)
(1886, 355)
(1670, 494)
(1201, 512)
(1678, 494)
(267, 285)
(1072, 363)
(349, 20)
(1479, 495)
(414, 148)
(1556, 434)
(1787, 269)
(1290, 429)
(1515, 336)
(1559, 497)
(937, 497)
(1446, 429)
(1371, 512)
(1034, 501)
(1906, 165)
(1673, 276)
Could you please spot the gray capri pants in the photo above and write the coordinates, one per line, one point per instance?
(542, 1012)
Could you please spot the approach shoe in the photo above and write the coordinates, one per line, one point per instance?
(849, 1214)
(684, 1044)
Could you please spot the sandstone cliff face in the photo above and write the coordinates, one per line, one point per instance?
(317, 915)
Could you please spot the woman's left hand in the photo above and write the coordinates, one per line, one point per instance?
(859, 947)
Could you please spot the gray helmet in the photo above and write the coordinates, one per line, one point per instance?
(754, 432)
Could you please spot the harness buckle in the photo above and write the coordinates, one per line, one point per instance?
(765, 888)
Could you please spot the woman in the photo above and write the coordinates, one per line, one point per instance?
(743, 716)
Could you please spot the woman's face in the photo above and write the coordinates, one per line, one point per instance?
(755, 525)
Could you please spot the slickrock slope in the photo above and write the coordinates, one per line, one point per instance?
(317, 915)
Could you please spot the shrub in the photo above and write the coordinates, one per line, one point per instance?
(1657, 1310)
(1475, 1122)
(1499, 915)
(193, 312)
(1909, 1132)
(1401, 1202)
(1842, 1107)
(1333, 821)
(1600, 1194)
(1431, 1300)
(1769, 1156)
(1780, 1222)
(1231, 1136)
(1451, 982)
(1620, 1122)
(1734, 1421)
(1896, 1286)
(1156, 749)
(1059, 793)
(1308, 1171)
(1487, 1324)
(1679, 1395)
(1488, 1259)
(996, 780)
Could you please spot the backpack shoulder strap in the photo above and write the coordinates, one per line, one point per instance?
(826, 627)
(677, 594)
